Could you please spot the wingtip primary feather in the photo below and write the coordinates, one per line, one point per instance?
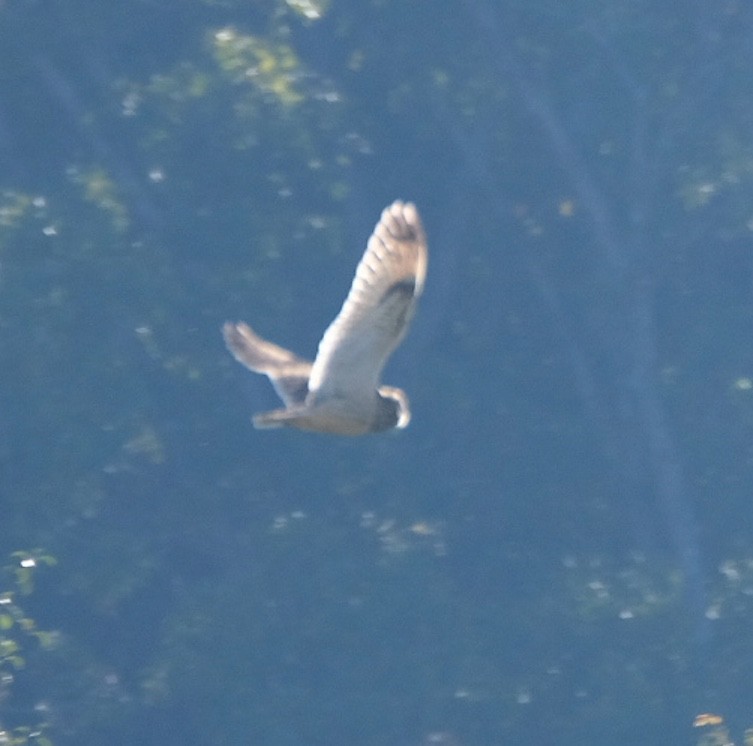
(403, 222)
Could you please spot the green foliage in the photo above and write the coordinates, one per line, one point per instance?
(23, 736)
(17, 630)
(271, 68)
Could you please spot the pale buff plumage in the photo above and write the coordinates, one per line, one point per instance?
(340, 391)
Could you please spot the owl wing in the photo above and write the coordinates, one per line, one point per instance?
(379, 307)
(288, 373)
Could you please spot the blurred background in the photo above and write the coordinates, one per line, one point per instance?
(559, 550)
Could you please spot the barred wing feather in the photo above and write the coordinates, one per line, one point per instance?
(378, 310)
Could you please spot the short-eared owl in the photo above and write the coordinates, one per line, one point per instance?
(340, 391)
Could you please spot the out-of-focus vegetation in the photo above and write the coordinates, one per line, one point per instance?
(17, 632)
(558, 550)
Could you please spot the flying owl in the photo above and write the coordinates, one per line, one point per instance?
(340, 392)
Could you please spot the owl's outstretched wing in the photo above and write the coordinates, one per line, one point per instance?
(288, 373)
(379, 307)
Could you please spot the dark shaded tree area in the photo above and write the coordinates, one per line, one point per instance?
(558, 550)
